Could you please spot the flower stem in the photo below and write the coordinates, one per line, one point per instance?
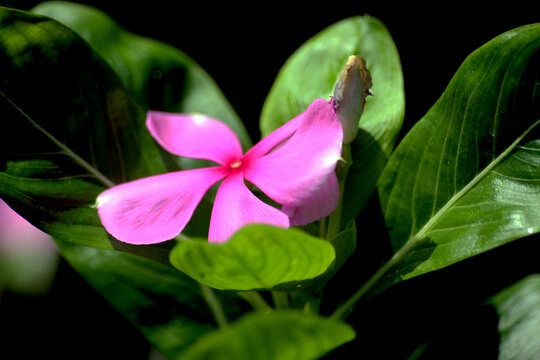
(256, 301)
(215, 305)
(281, 300)
(312, 306)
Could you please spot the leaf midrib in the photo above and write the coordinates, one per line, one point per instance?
(457, 196)
(66, 150)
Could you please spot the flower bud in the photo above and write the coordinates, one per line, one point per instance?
(350, 94)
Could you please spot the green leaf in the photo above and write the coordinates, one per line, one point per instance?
(466, 178)
(278, 335)
(518, 308)
(159, 76)
(256, 257)
(312, 71)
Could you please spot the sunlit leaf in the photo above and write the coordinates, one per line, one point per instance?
(466, 179)
(256, 257)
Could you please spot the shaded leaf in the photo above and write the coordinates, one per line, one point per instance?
(159, 76)
(278, 335)
(70, 134)
(69, 131)
(256, 257)
(466, 178)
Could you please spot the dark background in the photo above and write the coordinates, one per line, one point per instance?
(243, 47)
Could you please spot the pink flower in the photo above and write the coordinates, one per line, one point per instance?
(294, 166)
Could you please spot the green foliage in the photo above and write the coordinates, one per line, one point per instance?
(256, 257)
(278, 335)
(466, 178)
(518, 308)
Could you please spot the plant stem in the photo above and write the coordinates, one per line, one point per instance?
(256, 301)
(312, 306)
(281, 300)
(215, 305)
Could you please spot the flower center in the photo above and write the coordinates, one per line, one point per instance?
(235, 164)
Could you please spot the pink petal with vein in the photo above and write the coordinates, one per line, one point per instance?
(322, 204)
(236, 206)
(299, 169)
(194, 136)
(276, 138)
(156, 208)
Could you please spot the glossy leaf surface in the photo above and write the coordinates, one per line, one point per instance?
(466, 178)
(256, 257)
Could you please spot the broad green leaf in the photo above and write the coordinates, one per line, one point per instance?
(277, 335)
(466, 178)
(69, 131)
(256, 257)
(312, 71)
(159, 76)
(518, 308)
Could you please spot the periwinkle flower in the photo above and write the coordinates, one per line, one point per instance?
(294, 166)
(350, 94)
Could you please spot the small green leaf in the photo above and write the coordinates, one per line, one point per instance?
(159, 76)
(518, 308)
(277, 335)
(312, 71)
(466, 178)
(256, 257)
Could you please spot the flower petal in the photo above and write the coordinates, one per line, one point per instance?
(236, 206)
(298, 170)
(194, 136)
(156, 208)
(276, 138)
(322, 204)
